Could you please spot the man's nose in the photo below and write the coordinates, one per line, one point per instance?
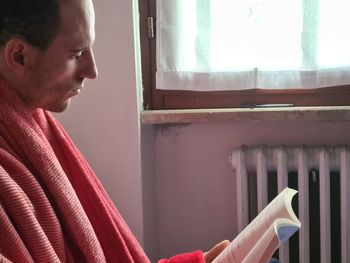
(89, 68)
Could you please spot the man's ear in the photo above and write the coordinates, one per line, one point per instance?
(17, 54)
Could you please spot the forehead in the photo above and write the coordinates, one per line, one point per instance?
(77, 21)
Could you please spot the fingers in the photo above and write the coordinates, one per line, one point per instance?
(215, 251)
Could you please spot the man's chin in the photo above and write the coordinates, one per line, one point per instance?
(58, 107)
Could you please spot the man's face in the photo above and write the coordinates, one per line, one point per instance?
(59, 72)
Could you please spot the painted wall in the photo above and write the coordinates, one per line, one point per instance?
(103, 120)
(194, 186)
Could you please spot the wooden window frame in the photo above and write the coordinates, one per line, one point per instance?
(155, 99)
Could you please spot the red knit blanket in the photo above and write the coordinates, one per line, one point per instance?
(52, 206)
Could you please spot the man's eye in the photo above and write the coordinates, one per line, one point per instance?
(77, 55)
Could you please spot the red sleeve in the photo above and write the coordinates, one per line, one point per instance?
(193, 257)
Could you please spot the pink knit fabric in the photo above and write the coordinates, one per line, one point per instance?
(52, 206)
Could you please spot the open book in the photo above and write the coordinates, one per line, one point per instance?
(260, 239)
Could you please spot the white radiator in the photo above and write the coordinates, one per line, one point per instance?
(303, 163)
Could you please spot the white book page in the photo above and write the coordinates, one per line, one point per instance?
(280, 207)
(264, 248)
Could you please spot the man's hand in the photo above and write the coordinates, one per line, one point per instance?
(215, 251)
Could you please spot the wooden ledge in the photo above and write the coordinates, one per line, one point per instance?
(326, 114)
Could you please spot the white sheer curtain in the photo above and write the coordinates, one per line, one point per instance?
(244, 44)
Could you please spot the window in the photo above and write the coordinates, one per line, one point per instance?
(290, 56)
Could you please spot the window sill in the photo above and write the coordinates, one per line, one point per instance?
(324, 114)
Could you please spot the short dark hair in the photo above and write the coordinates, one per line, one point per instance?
(36, 21)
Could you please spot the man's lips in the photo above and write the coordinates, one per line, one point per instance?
(75, 92)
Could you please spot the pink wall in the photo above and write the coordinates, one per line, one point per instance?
(194, 187)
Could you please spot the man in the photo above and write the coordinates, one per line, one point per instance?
(52, 206)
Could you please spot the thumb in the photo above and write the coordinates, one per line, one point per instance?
(215, 251)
